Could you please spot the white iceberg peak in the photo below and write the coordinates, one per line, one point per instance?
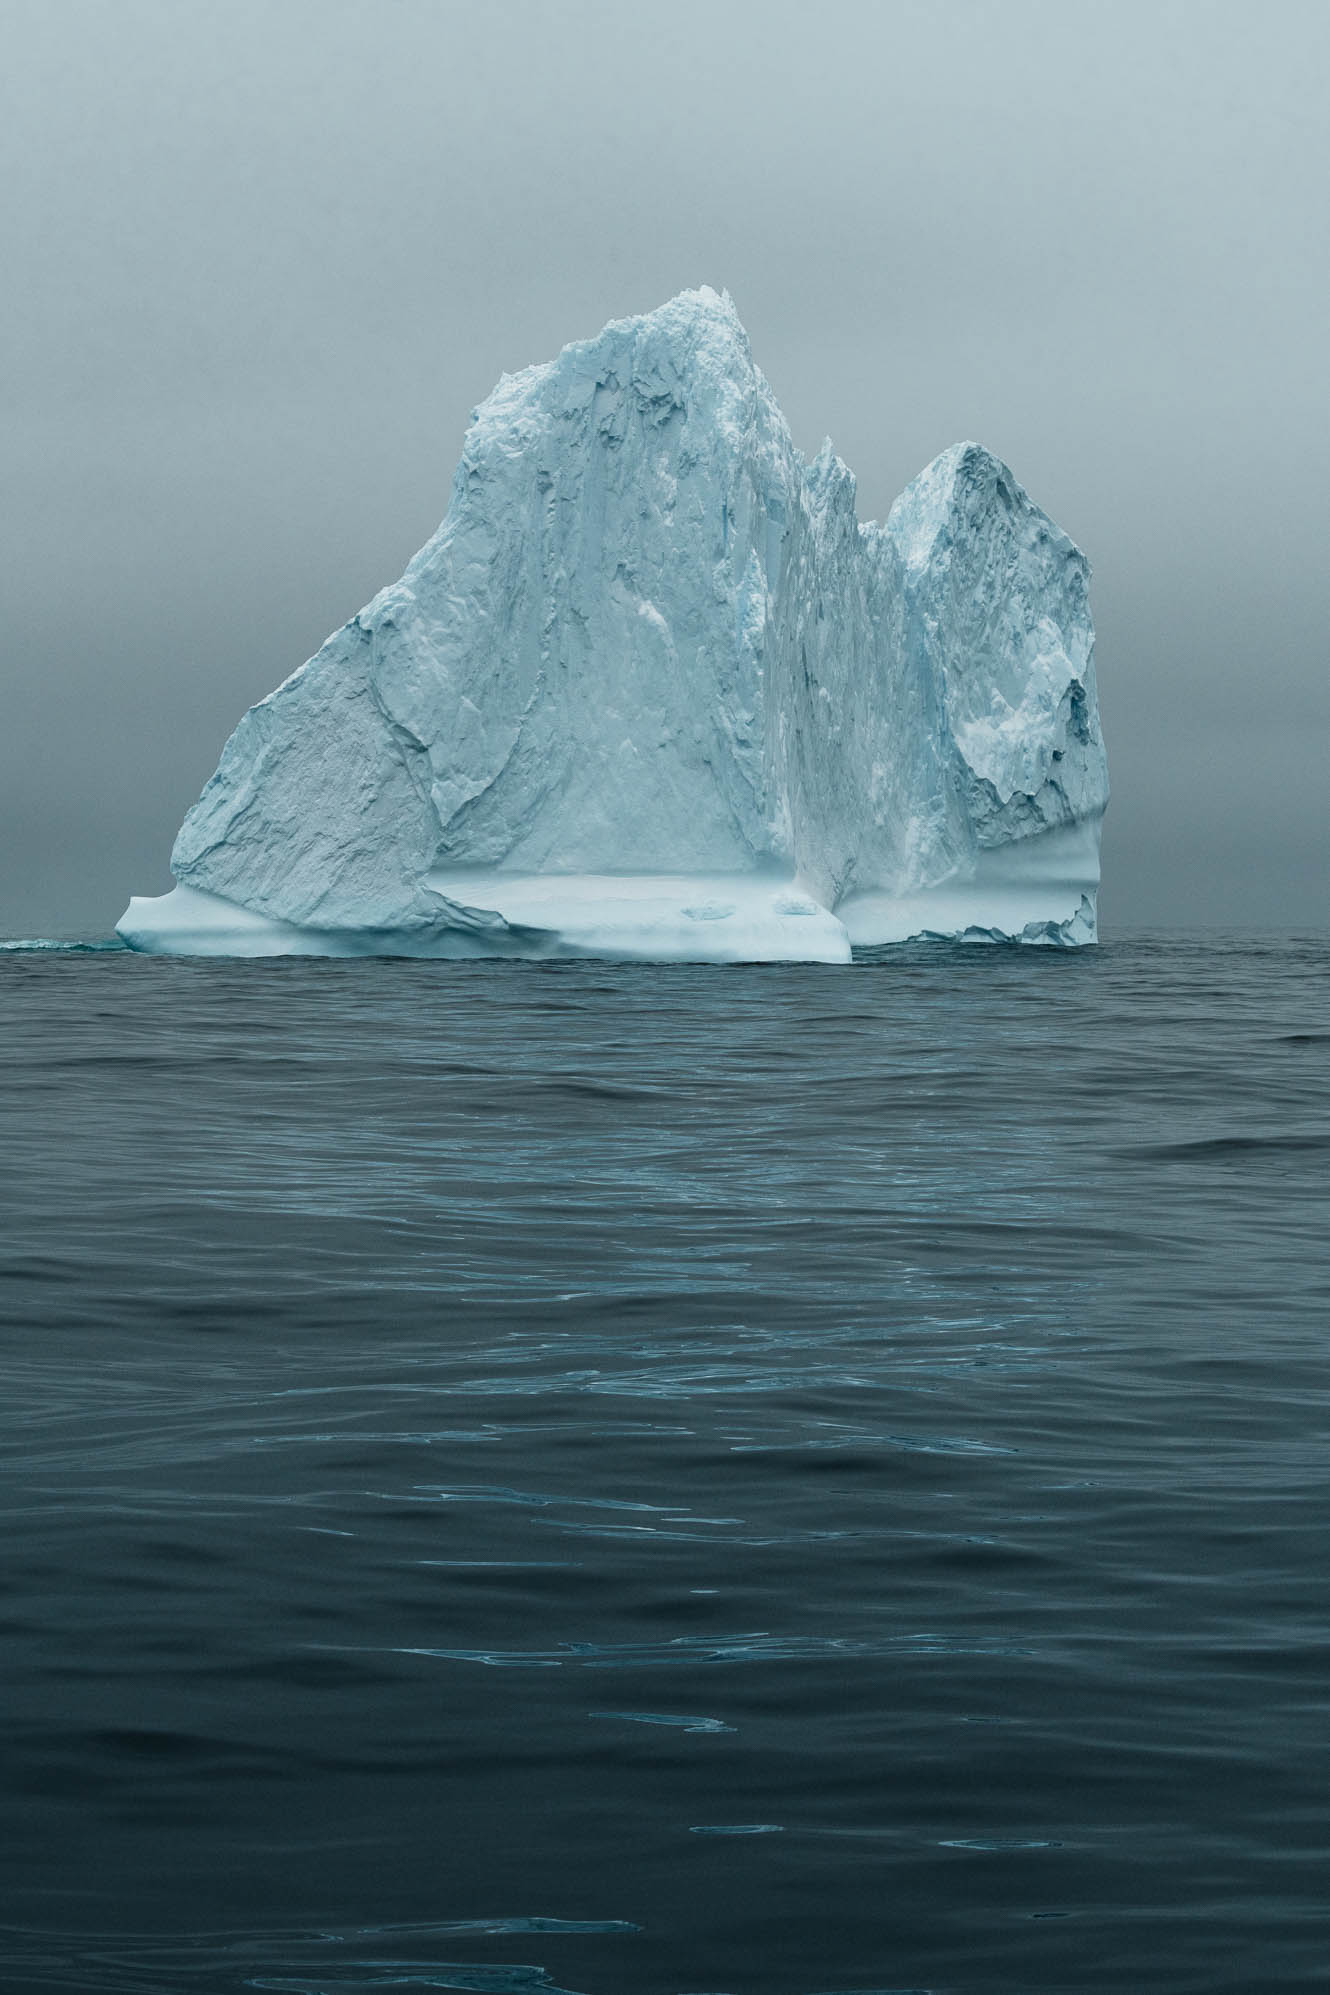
(651, 665)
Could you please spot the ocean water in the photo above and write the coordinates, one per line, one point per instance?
(535, 1478)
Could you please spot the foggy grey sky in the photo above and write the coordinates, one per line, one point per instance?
(260, 260)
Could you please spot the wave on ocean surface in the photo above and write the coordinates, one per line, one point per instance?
(329, 1961)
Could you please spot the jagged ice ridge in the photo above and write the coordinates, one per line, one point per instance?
(653, 691)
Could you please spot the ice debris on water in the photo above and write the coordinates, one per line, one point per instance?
(653, 691)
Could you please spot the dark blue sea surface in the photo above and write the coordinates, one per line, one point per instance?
(536, 1478)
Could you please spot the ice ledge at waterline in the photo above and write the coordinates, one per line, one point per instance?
(652, 691)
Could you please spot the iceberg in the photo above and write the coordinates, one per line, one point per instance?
(653, 691)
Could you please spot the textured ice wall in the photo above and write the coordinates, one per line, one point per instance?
(650, 639)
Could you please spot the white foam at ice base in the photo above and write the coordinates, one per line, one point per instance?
(60, 945)
(651, 641)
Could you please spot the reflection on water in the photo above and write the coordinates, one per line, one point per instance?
(630, 1482)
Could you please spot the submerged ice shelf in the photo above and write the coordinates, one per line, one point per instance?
(653, 691)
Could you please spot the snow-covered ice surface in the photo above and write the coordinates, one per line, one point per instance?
(653, 691)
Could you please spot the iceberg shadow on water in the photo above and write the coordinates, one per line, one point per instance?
(653, 692)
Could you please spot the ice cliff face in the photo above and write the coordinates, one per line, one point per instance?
(651, 650)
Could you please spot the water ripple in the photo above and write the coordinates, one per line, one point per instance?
(923, 1364)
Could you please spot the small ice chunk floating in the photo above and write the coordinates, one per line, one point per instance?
(652, 691)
